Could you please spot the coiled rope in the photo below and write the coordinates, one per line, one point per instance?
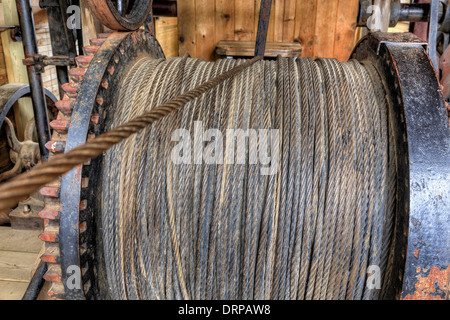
(312, 230)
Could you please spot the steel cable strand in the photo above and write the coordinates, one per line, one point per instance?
(297, 234)
(337, 191)
(163, 258)
(353, 221)
(239, 192)
(322, 148)
(187, 209)
(166, 261)
(223, 209)
(295, 161)
(281, 247)
(186, 212)
(255, 200)
(134, 109)
(291, 194)
(374, 188)
(359, 263)
(387, 187)
(214, 261)
(261, 289)
(365, 180)
(312, 198)
(213, 245)
(110, 251)
(146, 281)
(347, 185)
(378, 176)
(334, 110)
(177, 202)
(129, 173)
(271, 285)
(194, 71)
(298, 278)
(208, 184)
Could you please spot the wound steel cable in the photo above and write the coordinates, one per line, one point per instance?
(17, 189)
(224, 231)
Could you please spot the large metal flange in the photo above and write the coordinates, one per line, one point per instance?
(417, 114)
(121, 15)
(70, 233)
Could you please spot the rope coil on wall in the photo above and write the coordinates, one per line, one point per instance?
(314, 230)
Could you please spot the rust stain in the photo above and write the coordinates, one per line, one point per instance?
(416, 253)
(433, 286)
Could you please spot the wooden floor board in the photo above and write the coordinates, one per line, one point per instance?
(19, 252)
(10, 290)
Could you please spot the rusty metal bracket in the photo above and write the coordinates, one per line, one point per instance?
(40, 61)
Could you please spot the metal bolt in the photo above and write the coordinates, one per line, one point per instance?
(26, 209)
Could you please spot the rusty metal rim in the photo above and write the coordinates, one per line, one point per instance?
(108, 15)
(17, 92)
(421, 253)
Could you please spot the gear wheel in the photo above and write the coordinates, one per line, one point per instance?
(69, 222)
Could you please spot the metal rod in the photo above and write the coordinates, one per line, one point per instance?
(36, 283)
(79, 30)
(263, 26)
(120, 7)
(432, 33)
(35, 78)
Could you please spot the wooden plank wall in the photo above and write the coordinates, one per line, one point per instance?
(324, 27)
(166, 31)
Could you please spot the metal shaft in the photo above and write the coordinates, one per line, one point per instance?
(35, 78)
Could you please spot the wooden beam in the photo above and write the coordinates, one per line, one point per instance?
(204, 29)
(186, 27)
(91, 25)
(347, 14)
(305, 26)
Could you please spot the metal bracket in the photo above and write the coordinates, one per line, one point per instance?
(40, 62)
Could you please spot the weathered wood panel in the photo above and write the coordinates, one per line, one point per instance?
(166, 31)
(325, 28)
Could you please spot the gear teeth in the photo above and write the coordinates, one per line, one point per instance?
(97, 42)
(76, 74)
(53, 273)
(51, 254)
(90, 50)
(50, 214)
(83, 61)
(65, 106)
(70, 89)
(105, 84)
(51, 192)
(103, 35)
(50, 234)
(52, 210)
(60, 125)
(56, 291)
